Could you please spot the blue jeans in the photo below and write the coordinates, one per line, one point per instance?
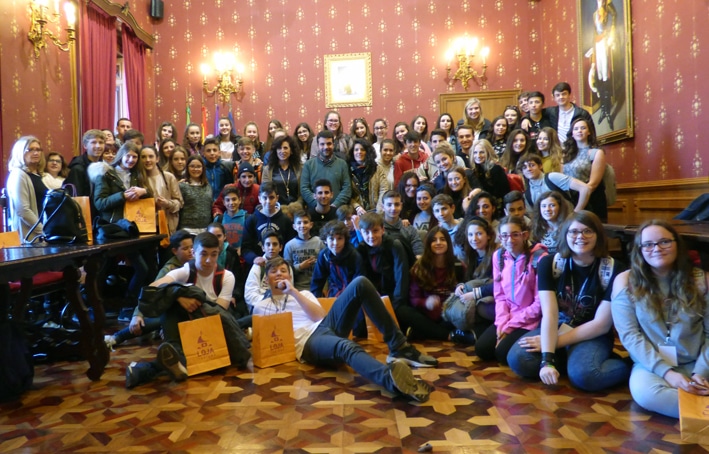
(588, 363)
(151, 324)
(329, 345)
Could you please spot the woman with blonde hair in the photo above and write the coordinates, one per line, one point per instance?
(474, 117)
(25, 188)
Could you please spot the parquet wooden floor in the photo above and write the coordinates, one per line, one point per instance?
(297, 408)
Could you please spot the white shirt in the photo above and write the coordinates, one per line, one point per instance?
(303, 326)
(562, 127)
(206, 283)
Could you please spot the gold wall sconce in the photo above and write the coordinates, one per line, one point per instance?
(224, 65)
(463, 50)
(40, 17)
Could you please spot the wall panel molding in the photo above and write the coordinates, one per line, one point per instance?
(654, 199)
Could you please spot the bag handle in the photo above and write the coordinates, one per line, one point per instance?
(49, 218)
(73, 189)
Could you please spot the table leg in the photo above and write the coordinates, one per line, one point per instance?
(92, 344)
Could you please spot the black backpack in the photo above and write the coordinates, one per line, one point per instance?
(62, 220)
(16, 364)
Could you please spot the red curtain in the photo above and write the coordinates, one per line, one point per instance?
(98, 68)
(134, 62)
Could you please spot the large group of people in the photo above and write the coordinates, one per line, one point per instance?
(484, 233)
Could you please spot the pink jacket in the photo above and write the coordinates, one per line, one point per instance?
(516, 297)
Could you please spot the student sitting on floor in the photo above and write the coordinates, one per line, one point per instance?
(205, 272)
(338, 264)
(181, 245)
(256, 283)
(321, 338)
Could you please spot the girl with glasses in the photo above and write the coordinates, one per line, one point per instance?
(342, 141)
(517, 306)
(380, 129)
(661, 313)
(55, 171)
(575, 335)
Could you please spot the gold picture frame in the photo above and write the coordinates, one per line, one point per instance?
(606, 67)
(348, 80)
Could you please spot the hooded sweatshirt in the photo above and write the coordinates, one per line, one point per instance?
(251, 246)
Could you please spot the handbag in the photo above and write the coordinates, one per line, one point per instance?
(273, 342)
(142, 212)
(122, 229)
(203, 344)
(61, 219)
(694, 417)
(459, 313)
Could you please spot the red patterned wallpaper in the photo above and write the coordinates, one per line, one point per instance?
(35, 94)
(282, 43)
(534, 45)
(670, 39)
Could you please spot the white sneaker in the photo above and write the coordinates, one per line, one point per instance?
(110, 341)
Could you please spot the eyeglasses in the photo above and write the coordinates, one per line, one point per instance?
(380, 128)
(34, 150)
(586, 233)
(649, 246)
(54, 161)
(507, 236)
(333, 121)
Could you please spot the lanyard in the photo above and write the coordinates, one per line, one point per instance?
(669, 303)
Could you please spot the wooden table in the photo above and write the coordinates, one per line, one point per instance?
(21, 263)
(694, 233)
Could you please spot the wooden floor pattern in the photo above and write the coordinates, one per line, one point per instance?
(298, 408)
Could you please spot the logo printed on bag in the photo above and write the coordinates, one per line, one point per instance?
(205, 349)
(276, 343)
(140, 217)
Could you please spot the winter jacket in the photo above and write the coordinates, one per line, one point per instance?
(515, 290)
(335, 270)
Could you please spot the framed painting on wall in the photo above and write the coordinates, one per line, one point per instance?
(348, 80)
(605, 66)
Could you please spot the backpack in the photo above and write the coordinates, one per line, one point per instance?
(17, 372)
(609, 182)
(605, 270)
(62, 220)
(697, 210)
(534, 256)
(216, 281)
(552, 187)
(516, 182)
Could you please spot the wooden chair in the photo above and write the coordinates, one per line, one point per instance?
(40, 284)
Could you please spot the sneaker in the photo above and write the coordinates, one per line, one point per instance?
(110, 341)
(406, 383)
(139, 373)
(412, 357)
(463, 337)
(169, 359)
(126, 315)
